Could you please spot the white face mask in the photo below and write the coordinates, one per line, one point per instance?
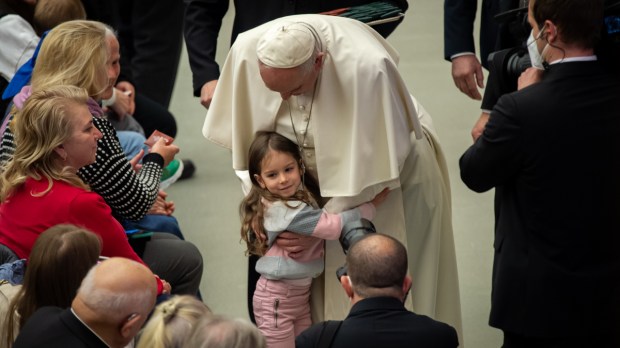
(536, 57)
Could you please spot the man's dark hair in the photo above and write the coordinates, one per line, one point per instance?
(377, 265)
(579, 21)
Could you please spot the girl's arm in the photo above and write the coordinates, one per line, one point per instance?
(318, 223)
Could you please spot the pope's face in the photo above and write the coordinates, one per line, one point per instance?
(291, 81)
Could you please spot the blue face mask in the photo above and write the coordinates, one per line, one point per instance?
(536, 57)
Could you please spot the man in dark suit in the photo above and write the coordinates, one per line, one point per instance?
(552, 152)
(459, 48)
(203, 19)
(377, 284)
(113, 302)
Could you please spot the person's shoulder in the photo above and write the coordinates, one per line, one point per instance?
(440, 332)
(43, 317)
(17, 24)
(45, 328)
(309, 337)
(60, 189)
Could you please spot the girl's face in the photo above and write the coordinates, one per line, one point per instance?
(280, 174)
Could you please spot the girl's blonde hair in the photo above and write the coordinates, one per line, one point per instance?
(74, 53)
(251, 209)
(41, 126)
(172, 321)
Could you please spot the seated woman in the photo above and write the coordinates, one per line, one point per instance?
(79, 53)
(60, 259)
(39, 188)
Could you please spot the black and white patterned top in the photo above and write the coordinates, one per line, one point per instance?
(129, 194)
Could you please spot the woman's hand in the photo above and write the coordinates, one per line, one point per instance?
(167, 287)
(127, 97)
(161, 207)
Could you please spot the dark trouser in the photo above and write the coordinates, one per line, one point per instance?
(152, 116)
(151, 37)
(607, 340)
(176, 261)
(253, 277)
(7, 255)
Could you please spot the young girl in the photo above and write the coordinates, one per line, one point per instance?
(284, 198)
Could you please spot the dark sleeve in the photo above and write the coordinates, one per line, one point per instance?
(459, 16)
(310, 337)
(450, 339)
(203, 20)
(495, 156)
(130, 195)
(39, 328)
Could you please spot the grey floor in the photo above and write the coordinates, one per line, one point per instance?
(207, 204)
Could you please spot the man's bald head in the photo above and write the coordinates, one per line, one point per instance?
(115, 299)
(377, 266)
(118, 285)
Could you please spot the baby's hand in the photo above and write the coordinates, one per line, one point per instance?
(380, 197)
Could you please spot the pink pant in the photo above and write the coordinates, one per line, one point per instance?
(282, 310)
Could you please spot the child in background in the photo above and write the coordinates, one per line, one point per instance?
(172, 322)
(284, 198)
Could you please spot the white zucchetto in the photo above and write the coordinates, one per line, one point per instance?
(286, 45)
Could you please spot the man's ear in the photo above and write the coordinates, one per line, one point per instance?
(345, 281)
(130, 326)
(551, 31)
(259, 180)
(407, 283)
(318, 62)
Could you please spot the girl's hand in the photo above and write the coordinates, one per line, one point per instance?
(380, 197)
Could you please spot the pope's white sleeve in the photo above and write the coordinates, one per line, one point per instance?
(246, 183)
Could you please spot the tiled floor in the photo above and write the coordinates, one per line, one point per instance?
(207, 204)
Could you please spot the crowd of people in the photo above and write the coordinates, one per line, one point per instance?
(323, 139)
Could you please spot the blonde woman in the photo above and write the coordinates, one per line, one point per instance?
(77, 53)
(40, 187)
(172, 322)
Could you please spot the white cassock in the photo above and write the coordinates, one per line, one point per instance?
(361, 131)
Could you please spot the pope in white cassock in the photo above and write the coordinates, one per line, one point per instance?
(331, 84)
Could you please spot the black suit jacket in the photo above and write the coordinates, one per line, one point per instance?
(54, 327)
(203, 19)
(552, 151)
(384, 322)
(459, 16)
